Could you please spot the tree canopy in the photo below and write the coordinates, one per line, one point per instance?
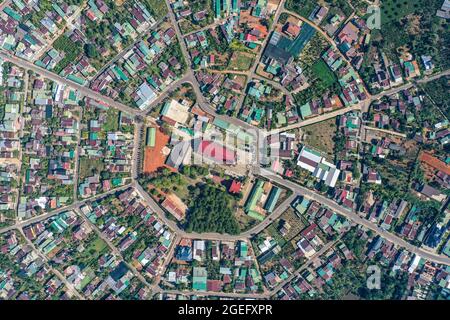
(211, 211)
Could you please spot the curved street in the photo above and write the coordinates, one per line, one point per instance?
(296, 189)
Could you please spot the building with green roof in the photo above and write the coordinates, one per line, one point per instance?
(272, 200)
(305, 111)
(199, 278)
(254, 196)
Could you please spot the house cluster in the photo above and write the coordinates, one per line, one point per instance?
(444, 11)
(234, 267)
(353, 40)
(225, 8)
(422, 274)
(266, 106)
(11, 82)
(440, 132)
(290, 242)
(74, 65)
(195, 135)
(390, 74)
(28, 37)
(106, 139)
(93, 269)
(222, 91)
(353, 90)
(349, 126)
(30, 267)
(315, 278)
(50, 138)
(398, 111)
(143, 71)
(183, 11)
(282, 147)
(346, 194)
(135, 230)
(330, 21)
(284, 46)
(249, 11)
(436, 170)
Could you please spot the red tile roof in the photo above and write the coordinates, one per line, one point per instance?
(235, 187)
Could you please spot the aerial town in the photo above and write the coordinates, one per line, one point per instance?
(224, 150)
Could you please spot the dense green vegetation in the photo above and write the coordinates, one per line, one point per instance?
(414, 27)
(395, 9)
(305, 7)
(352, 277)
(157, 7)
(438, 91)
(70, 49)
(322, 72)
(210, 211)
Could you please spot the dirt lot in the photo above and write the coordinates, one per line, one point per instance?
(154, 157)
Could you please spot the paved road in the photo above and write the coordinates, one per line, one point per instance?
(251, 73)
(354, 217)
(52, 76)
(319, 253)
(69, 286)
(112, 247)
(125, 50)
(73, 206)
(402, 135)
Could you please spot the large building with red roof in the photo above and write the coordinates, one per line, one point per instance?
(216, 152)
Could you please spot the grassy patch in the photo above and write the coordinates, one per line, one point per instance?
(321, 70)
(112, 121)
(438, 91)
(70, 49)
(240, 61)
(88, 167)
(392, 10)
(320, 136)
(157, 7)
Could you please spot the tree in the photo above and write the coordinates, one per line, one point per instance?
(90, 50)
(210, 211)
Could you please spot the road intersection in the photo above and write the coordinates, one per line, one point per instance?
(295, 189)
